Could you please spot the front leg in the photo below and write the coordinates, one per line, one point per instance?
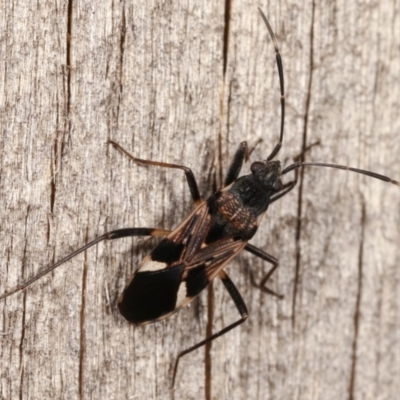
(237, 163)
(191, 180)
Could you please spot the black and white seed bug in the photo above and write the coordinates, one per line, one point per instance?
(197, 251)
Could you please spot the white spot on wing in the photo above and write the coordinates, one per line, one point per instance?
(152, 266)
(181, 295)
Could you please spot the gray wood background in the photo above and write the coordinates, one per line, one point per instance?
(150, 75)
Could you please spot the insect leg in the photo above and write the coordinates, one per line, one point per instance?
(266, 257)
(191, 180)
(236, 165)
(241, 307)
(117, 234)
(242, 154)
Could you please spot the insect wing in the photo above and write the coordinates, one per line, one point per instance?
(204, 267)
(178, 269)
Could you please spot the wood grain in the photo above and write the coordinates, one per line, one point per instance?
(153, 77)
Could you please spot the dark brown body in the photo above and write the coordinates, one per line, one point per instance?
(184, 263)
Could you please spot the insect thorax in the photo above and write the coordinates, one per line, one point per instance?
(236, 210)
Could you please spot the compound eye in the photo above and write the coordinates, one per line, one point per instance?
(256, 166)
(277, 185)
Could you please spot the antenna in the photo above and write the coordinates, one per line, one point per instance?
(282, 86)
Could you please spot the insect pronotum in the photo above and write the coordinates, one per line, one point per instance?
(198, 249)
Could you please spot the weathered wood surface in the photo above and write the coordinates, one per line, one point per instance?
(151, 77)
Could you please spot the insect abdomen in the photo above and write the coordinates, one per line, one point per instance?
(151, 295)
